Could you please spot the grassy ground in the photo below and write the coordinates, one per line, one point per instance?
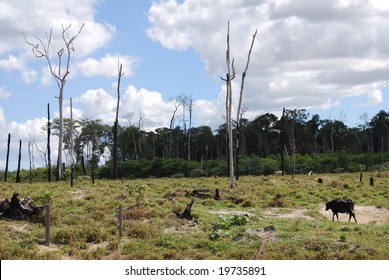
(84, 220)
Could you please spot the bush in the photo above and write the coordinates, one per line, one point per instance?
(196, 173)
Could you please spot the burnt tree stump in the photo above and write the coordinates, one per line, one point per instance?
(186, 214)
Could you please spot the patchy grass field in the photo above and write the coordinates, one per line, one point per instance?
(249, 221)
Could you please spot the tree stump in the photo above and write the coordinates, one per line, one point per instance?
(217, 194)
(186, 214)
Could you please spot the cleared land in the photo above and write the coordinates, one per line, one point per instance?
(267, 217)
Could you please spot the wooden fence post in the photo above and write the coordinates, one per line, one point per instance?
(120, 220)
(47, 242)
(372, 181)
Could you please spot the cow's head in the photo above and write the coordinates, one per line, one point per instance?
(327, 206)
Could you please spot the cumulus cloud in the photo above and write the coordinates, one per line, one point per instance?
(38, 19)
(308, 54)
(107, 66)
(99, 104)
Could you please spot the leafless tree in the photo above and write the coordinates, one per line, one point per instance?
(71, 145)
(41, 149)
(177, 103)
(59, 71)
(229, 77)
(116, 124)
(187, 104)
(140, 129)
(7, 157)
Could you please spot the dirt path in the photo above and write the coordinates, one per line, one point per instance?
(364, 214)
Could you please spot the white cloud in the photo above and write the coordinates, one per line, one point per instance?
(3, 93)
(308, 54)
(2, 118)
(107, 66)
(373, 98)
(37, 18)
(11, 63)
(99, 104)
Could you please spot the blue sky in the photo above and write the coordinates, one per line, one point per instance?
(330, 57)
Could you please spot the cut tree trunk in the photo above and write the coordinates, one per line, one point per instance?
(186, 214)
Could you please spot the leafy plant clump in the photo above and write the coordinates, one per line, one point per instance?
(225, 222)
(138, 192)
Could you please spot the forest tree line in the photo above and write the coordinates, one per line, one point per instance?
(309, 141)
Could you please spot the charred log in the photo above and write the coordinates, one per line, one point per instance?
(186, 214)
(16, 209)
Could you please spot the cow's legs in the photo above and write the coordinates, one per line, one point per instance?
(353, 215)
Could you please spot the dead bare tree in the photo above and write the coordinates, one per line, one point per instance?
(19, 161)
(140, 129)
(238, 111)
(48, 144)
(59, 72)
(116, 124)
(229, 77)
(177, 103)
(30, 157)
(7, 157)
(71, 145)
(40, 148)
(189, 104)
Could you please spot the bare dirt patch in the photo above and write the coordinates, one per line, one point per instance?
(21, 229)
(233, 213)
(287, 213)
(364, 214)
(77, 194)
(94, 247)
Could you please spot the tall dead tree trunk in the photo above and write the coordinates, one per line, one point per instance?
(60, 73)
(7, 157)
(282, 142)
(171, 129)
(48, 144)
(19, 161)
(229, 77)
(238, 112)
(190, 108)
(116, 124)
(71, 145)
(30, 159)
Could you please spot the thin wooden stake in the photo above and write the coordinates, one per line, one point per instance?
(121, 221)
(47, 242)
